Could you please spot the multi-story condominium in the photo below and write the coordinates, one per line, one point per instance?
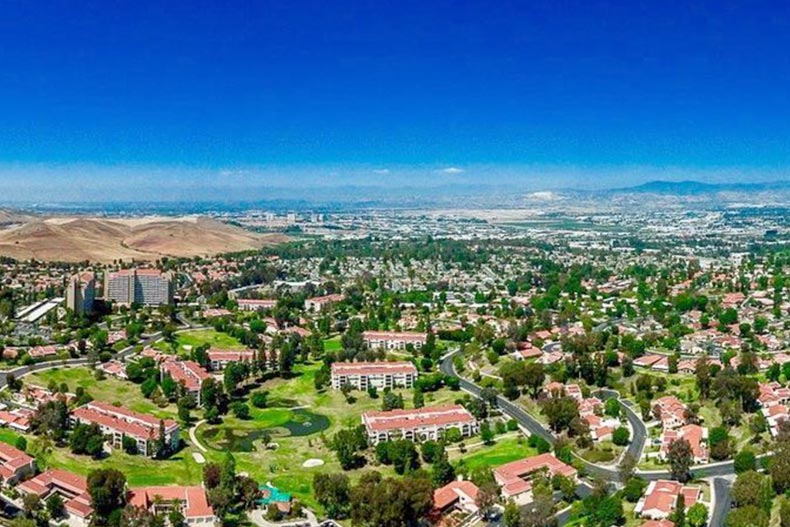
(117, 423)
(381, 375)
(191, 502)
(515, 478)
(15, 465)
(189, 374)
(219, 359)
(418, 425)
(319, 303)
(72, 489)
(139, 286)
(394, 340)
(246, 304)
(80, 293)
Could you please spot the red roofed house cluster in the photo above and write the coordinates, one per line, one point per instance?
(696, 437)
(670, 411)
(15, 465)
(192, 502)
(514, 478)
(73, 489)
(774, 399)
(456, 495)
(661, 498)
(420, 424)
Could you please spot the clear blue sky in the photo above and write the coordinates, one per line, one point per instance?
(357, 92)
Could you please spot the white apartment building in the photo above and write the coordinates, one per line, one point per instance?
(139, 286)
(381, 375)
(394, 340)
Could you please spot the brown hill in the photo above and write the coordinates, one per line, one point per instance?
(102, 240)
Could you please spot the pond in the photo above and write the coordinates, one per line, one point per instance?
(302, 423)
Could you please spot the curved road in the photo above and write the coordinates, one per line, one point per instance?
(721, 486)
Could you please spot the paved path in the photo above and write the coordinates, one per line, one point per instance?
(193, 436)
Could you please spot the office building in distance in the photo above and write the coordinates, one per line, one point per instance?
(80, 293)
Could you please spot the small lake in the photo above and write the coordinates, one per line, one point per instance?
(302, 423)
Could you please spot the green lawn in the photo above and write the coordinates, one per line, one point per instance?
(333, 344)
(503, 451)
(216, 339)
(110, 390)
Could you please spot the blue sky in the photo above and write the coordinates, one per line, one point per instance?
(541, 94)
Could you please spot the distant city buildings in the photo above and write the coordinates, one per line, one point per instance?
(81, 293)
(139, 286)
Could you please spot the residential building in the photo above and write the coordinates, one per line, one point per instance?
(661, 498)
(696, 437)
(418, 425)
(81, 293)
(72, 488)
(514, 478)
(219, 359)
(670, 411)
(394, 340)
(460, 495)
(192, 502)
(320, 303)
(246, 304)
(189, 374)
(117, 423)
(381, 375)
(139, 286)
(15, 465)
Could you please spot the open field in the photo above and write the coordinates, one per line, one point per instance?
(110, 390)
(503, 451)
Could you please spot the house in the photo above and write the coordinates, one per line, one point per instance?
(216, 313)
(661, 498)
(647, 361)
(696, 437)
(514, 477)
(460, 495)
(526, 351)
(192, 502)
(15, 465)
(42, 352)
(670, 411)
(188, 374)
(394, 340)
(421, 424)
(72, 488)
(381, 375)
(114, 368)
(18, 419)
(117, 423)
(658, 523)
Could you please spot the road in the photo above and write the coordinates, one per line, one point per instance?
(718, 471)
(722, 492)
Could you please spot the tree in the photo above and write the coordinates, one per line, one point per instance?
(697, 515)
(390, 502)
(511, 516)
(241, 410)
(487, 496)
(87, 440)
(332, 491)
(51, 420)
(719, 441)
(745, 460)
(55, 507)
(391, 401)
(539, 513)
(560, 411)
(534, 375)
(634, 488)
(486, 434)
(749, 516)
(752, 488)
(780, 462)
(107, 488)
(784, 512)
(621, 436)
(703, 375)
(680, 458)
(612, 407)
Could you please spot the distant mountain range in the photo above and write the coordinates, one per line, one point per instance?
(688, 188)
